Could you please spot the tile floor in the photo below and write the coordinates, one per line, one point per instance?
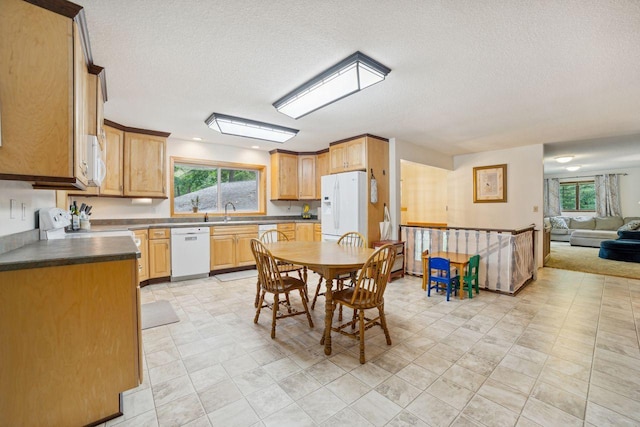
(563, 352)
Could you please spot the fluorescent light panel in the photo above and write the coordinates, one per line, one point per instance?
(347, 77)
(230, 125)
(564, 159)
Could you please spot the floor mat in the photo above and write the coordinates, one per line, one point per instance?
(157, 314)
(236, 275)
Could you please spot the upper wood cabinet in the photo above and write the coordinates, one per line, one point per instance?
(145, 169)
(307, 177)
(284, 175)
(349, 155)
(113, 183)
(322, 168)
(43, 90)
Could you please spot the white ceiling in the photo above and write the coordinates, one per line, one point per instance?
(467, 76)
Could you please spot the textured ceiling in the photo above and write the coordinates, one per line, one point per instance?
(467, 76)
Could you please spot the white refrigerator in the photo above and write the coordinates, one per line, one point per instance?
(343, 204)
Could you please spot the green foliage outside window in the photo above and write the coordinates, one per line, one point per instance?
(578, 196)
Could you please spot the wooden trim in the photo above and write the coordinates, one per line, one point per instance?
(326, 150)
(278, 150)
(136, 130)
(356, 137)
(61, 7)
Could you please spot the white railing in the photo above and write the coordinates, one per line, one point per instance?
(507, 259)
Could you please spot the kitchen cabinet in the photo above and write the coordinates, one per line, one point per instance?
(43, 59)
(94, 118)
(112, 185)
(304, 232)
(143, 262)
(349, 155)
(322, 168)
(307, 177)
(369, 153)
(230, 246)
(284, 175)
(317, 232)
(159, 253)
(145, 170)
(288, 228)
(71, 342)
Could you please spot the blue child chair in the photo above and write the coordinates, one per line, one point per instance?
(440, 275)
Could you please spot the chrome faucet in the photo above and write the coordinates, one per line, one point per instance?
(226, 216)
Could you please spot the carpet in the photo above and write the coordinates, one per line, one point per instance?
(157, 314)
(236, 275)
(579, 258)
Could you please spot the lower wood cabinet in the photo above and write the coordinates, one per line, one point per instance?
(230, 246)
(159, 253)
(289, 229)
(317, 232)
(304, 232)
(143, 262)
(71, 342)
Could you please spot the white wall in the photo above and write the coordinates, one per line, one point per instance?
(33, 200)
(400, 150)
(629, 189)
(524, 191)
(116, 208)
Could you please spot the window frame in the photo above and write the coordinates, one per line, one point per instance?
(262, 186)
(577, 186)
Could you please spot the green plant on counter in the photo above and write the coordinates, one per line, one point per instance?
(195, 203)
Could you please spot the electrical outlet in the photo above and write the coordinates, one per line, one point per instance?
(535, 209)
(13, 208)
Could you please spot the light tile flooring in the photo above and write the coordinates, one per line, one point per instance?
(563, 352)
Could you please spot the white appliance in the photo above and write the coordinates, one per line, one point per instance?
(189, 253)
(343, 204)
(266, 227)
(52, 223)
(96, 168)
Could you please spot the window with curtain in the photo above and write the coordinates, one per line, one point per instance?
(578, 196)
(201, 186)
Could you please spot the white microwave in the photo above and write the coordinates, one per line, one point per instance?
(96, 168)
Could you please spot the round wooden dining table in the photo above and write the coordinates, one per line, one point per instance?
(326, 258)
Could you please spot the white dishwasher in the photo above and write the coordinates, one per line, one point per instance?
(189, 253)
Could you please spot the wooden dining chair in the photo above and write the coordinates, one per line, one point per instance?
(272, 281)
(351, 238)
(272, 236)
(470, 277)
(439, 274)
(367, 293)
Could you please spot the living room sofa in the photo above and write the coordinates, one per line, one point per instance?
(586, 231)
(625, 248)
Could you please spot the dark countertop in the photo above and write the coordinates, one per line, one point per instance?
(217, 223)
(50, 253)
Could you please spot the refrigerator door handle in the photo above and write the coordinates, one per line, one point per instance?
(335, 207)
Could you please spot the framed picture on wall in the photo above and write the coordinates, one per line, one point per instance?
(490, 184)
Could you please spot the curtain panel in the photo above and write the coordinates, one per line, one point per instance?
(551, 203)
(607, 195)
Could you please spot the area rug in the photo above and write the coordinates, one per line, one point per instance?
(236, 275)
(157, 314)
(579, 258)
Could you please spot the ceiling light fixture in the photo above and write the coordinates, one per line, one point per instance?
(230, 125)
(347, 77)
(564, 159)
(573, 168)
(255, 147)
(197, 138)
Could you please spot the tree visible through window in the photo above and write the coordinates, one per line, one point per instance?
(210, 185)
(578, 196)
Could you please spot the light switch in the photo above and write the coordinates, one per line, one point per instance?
(13, 208)
(24, 211)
